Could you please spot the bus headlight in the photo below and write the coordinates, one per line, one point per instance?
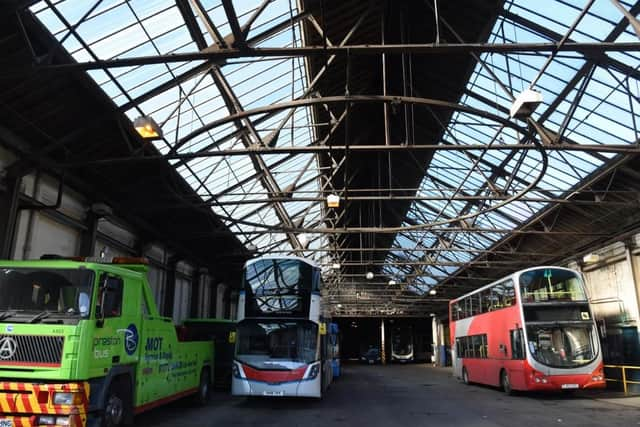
(236, 370)
(598, 375)
(539, 377)
(313, 372)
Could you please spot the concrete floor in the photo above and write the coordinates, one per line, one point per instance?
(404, 395)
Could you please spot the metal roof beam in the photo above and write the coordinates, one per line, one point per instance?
(220, 55)
(238, 35)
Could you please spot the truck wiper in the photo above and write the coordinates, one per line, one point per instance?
(7, 313)
(39, 316)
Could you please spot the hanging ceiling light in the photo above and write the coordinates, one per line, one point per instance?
(333, 201)
(369, 275)
(432, 292)
(147, 127)
(392, 282)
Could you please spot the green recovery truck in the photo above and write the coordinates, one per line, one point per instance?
(82, 343)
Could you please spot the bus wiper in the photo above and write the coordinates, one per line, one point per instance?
(39, 316)
(7, 313)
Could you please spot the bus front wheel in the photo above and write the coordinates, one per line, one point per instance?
(465, 376)
(505, 382)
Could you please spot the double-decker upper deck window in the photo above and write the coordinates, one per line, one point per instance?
(551, 284)
(499, 296)
(278, 286)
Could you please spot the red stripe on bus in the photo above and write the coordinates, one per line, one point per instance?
(274, 376)
(164, 400)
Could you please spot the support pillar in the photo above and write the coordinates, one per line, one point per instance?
(383, 351)
(434, 339)
(9, 201)
(89, 236)
(635, 275)
(196, 291)
(170, 288)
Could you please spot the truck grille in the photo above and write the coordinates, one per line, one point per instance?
(31, 350)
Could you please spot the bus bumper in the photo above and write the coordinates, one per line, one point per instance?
(303, 388)
(538, 381)
(31, 404)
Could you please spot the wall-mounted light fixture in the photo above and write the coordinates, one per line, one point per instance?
(591, 258)
(147, 127)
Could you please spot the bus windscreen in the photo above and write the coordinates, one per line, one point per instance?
(277, 345)
(561, 346)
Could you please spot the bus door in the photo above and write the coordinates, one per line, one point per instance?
(516, 364)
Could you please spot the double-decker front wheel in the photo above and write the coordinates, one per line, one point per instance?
(505, 383)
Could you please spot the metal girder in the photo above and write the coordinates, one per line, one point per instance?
(305, 51)
(627, 149)
(238, 35)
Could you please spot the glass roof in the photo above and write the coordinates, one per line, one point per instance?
(233, 185)
(584, 102)
(603, 114)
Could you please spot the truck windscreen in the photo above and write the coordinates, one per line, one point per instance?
(34, 295)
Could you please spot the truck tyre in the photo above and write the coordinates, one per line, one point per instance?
(116, 405)
(201, 398)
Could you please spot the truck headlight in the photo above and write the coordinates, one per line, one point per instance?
(46, 420)
(63, 421)
(64, 398)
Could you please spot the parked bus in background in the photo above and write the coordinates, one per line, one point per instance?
(402, 344)
(281, 345)
(532, 330)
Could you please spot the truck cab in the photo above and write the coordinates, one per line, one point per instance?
(82, 343)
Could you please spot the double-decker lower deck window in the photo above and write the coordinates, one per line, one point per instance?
(472, 346)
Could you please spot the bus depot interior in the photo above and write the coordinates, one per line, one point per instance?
(396, 211)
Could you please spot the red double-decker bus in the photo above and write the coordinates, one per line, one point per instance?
(532, 330)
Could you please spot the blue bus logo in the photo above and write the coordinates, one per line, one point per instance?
(131, 339)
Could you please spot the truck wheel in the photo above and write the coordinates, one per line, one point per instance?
(201, 398)
(116, 405)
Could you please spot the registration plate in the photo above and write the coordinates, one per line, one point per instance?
(6, 423)
(570, 386)
(268, 393)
